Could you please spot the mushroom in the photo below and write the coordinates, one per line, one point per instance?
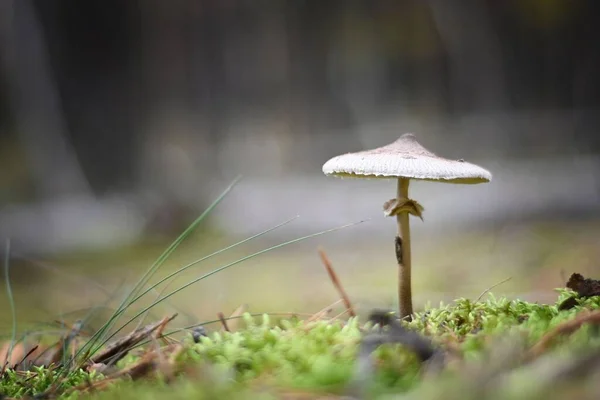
(404, 159)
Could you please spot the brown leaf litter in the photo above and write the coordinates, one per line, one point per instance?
(583, 287)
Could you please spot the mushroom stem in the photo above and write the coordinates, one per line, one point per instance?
(403, 254)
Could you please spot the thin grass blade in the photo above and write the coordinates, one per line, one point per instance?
(11, 302)
(165, 255)
(153, 287)
(226, 266)
(180, 270)
(155, 266)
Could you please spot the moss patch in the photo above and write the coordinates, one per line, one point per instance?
(486, 345)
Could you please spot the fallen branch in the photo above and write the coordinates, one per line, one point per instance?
(149, 362)
(121, 347)
(63, 344)
(583, 287)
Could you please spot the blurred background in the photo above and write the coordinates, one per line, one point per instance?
(121, 121)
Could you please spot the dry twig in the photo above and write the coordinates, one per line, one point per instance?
(63, 344)
(336, 282)
(492, 287)
(234, 318)
(564, 328)
(121, 347)
(10, 354)
(322, 313)
(149, 362)
(31, 351)
(223, 321)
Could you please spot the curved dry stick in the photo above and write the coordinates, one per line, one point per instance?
(564, 328)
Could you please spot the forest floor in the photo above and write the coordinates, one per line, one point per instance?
(486, 348)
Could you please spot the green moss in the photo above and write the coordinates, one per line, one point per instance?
(473, 323)
(40, 379)
(268, 357)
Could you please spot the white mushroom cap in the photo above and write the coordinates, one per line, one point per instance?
(405, 158)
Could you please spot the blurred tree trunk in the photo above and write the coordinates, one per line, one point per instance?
(475, 59)
(91, 45)
(166, 139)
(37, 104)
(210, 31)
(586, 82)
(314, 106)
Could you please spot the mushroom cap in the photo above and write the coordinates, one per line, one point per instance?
(405, 158)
